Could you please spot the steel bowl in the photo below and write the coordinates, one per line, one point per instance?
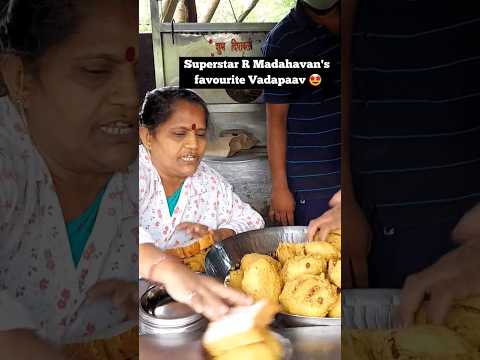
(160, 314)
(227, 255)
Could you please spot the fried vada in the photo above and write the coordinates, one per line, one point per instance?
(335, 238)
(300, 265)
(426, 342)
(286, 251)
(261, 280)
(336, 309)
(308, 295)
(196, 263)
(335, 272)
(235, 278)
(249, 259)
(322, 249)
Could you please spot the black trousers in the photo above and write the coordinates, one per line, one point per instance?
(400, 248)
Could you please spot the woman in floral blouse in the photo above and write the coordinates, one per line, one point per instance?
(180, 192)
(68, 173)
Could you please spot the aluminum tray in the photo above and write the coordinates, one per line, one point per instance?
(369, 308)
(227, 255)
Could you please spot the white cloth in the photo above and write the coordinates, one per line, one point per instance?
(206, 198)
(40, 287)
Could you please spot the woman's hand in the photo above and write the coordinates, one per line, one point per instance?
(197, 231)
(203, 294)
(282, 209)
(123, 294)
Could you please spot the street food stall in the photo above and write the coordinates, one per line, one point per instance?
(170, 329)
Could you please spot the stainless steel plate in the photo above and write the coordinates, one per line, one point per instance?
(299, 321)
(370, 308)
(227, 255)
(315, 342)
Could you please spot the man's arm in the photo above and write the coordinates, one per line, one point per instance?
(283, 203)
(277, 143)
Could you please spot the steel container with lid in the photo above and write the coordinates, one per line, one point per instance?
(160, 314)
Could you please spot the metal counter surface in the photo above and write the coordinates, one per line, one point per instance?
(309, 343)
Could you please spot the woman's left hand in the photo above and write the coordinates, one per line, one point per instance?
(123, 294)
(196, 230)
(204, 294)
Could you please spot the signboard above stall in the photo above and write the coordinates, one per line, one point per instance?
(210, 40)
(229, 108)
(173, 40)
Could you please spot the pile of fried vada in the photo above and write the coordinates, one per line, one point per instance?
(305, 278)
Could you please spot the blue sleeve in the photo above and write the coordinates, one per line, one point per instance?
(270, 49)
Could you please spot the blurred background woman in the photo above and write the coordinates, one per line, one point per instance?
(68, 149)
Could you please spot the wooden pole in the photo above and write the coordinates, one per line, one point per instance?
(249, 9)
(169, 10)
(211, 11)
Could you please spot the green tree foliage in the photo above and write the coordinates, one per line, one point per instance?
(264, 11)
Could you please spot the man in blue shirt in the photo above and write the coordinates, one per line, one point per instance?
(304, 125)
(413, 152)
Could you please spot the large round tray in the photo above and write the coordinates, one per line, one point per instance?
(227, 255)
